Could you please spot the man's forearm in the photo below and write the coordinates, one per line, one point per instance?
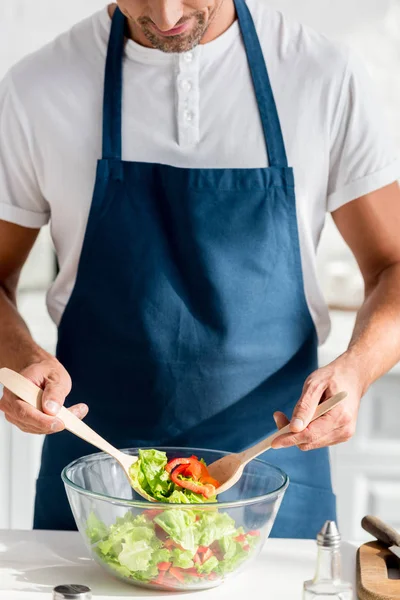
(375, 344)
(17, 347)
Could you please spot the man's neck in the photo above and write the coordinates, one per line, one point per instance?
(223, 19)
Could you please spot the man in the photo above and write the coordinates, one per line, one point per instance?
(187, 301)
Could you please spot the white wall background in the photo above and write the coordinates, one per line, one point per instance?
(371, 27)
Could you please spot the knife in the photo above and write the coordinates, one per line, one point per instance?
(383, 533)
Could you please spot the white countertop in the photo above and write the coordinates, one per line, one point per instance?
(32, 563)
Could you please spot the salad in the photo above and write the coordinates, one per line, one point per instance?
(177, 547)
(180, 481)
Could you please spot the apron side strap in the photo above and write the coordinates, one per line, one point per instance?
(262, 85)
(112, 108)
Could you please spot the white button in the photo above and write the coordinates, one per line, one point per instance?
(186, 85)
(188, 115)
(188, 57)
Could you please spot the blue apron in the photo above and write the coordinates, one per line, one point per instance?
(188, 323)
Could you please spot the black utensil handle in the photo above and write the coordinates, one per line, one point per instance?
(385, 534)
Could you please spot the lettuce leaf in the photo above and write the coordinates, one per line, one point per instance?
(183, 496)
(149, 475)
(210, 565)
(135, 555)
(212, 526)
(233, 554)
(179, 525)
(182, 558)
(95, 529)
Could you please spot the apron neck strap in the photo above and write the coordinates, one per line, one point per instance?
(112, 110)
(262, 86)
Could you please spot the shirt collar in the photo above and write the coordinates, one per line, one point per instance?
(142, 54)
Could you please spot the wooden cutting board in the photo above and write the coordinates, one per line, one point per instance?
(373, 583)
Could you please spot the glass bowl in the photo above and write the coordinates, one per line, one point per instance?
(172, 546)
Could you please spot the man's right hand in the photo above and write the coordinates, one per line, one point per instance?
(55, 382)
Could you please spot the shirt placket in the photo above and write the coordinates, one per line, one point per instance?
(188, 95)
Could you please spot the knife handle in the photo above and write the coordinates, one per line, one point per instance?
(382, 532)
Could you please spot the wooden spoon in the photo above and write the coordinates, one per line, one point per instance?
(30, 393)
(229, 469)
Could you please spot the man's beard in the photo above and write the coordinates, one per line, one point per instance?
(182, 42)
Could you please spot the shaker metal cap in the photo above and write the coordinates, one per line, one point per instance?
(72, 592)
(329, 536)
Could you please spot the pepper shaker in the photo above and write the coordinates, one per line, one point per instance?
(72, 592)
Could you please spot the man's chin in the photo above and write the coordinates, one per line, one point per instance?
(173, 44)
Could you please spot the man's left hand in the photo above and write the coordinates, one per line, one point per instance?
(336, 426)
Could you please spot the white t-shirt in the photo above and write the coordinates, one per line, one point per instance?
(193, 110)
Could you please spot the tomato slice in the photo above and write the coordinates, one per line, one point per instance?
(164, 566)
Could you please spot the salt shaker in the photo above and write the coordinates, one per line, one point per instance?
(327, 583)
(72, 592)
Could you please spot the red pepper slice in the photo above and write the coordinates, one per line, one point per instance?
(170, 582)
(207, 490)
(177, 573)
(160, 533)
(169, 543)
(194, 466)
(164, 566)
(159, 580)
(192, 571)
(175, 463)
(151, 513)
(208, 479)
(194, 469)
(207, 555)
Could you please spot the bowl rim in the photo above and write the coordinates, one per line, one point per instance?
(146, 504)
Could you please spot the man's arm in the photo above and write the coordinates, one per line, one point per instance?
(370, 226)
(18, 350)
